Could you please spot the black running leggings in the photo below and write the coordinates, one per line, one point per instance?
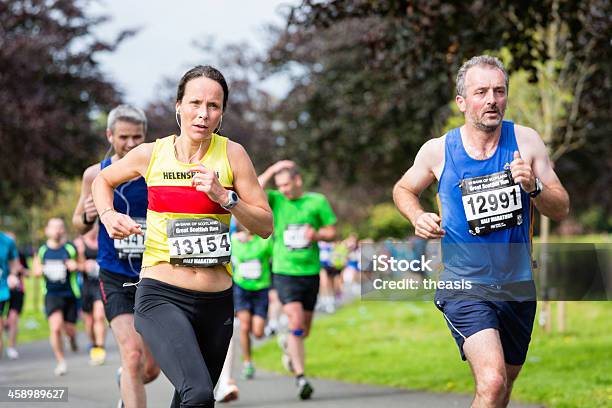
(188, 333)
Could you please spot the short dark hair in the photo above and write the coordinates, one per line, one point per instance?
(292, 171)
(203, 71)
(57, 217)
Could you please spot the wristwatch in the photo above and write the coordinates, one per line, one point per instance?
(538, 188)
(86, 221)
(233, 201)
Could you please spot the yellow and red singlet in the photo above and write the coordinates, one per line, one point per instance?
(184, 226)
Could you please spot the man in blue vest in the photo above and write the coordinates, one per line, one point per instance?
(490, 173)
(120, 260)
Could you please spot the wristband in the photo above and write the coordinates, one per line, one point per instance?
(538, 188)
(86, 221)
(105, 211)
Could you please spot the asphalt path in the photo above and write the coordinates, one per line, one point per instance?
(96, 387)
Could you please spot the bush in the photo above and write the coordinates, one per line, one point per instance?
(596, 220)
(385, 221)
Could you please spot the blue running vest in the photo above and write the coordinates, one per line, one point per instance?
(129, 198)
(53, 264)
(487, 218)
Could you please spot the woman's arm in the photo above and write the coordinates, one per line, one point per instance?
(132, 165)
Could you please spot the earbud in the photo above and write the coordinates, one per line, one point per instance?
(219, 127)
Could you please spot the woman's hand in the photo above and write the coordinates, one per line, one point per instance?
(120, 225)
(206, 181)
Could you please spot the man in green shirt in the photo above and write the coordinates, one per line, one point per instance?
(251, 260)
(300, 221)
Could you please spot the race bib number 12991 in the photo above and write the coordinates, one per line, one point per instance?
(491, 203)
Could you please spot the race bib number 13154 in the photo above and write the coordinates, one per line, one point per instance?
(200, 242)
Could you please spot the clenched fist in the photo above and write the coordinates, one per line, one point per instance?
(428, 226)
(522, 173)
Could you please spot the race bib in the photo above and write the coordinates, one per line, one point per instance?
(491, 203)
(200, 242)
(132, 246)
(294, 237)
(55, 270)
(250, 269)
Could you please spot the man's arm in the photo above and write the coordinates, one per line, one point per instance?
(14, 266)
(327, 233)
(265, 177)
(408, 189)
(327, 222)
(80, 247)
(86, 204)
(553, 201)
(37, 266)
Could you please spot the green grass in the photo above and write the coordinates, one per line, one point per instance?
(602, 238)
(408, 345)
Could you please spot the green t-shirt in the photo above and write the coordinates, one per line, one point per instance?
(292, 255)
(251, 261)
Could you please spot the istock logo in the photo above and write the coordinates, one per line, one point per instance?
(384, 263)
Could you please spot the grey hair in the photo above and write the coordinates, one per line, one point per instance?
(127, 113)
(475, 61)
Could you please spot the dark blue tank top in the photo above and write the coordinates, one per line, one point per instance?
(58, 280)
(129, 198)
(486, 216)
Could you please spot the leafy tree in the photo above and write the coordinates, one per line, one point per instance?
(372, 78)
(50, 88)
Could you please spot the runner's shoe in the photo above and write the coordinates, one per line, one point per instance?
(228, 392)
(12, 354)
(269, 330)
(305, 390)
(248, 371)
(61, 368)
(97, 356)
